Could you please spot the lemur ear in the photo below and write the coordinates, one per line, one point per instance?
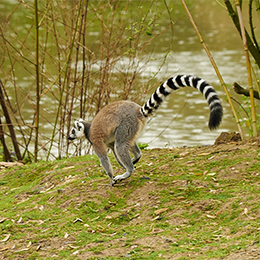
(79, 125)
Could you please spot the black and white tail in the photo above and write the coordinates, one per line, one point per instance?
(216, 110)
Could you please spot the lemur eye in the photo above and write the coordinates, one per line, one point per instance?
(73, 131)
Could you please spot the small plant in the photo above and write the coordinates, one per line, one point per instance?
(143, 146)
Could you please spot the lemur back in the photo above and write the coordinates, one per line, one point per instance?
(118, 125)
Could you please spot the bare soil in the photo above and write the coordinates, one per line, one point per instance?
(140, 200)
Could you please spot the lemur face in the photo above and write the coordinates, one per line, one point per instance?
(77, 131)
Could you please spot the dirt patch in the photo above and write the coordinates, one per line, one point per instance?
(225, 138)
(179, 204)
(250, 253)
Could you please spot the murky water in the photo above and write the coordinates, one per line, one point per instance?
(182, 119)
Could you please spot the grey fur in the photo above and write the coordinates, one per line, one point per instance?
(120, 123)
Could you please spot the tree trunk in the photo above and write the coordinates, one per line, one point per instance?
(7, 156)
(9, 123)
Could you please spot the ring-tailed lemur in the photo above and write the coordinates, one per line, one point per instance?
(119, 124)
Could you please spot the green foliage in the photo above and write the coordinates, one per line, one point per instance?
(251, 45)
(143, 146)
(89, 54)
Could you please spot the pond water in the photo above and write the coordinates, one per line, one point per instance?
(182, 120)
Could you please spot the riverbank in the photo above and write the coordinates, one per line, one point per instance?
(180, 203)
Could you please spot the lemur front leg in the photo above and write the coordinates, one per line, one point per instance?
(100, 150)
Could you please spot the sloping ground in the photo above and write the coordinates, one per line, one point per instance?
(182, 203)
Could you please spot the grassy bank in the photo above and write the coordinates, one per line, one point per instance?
(181, 203)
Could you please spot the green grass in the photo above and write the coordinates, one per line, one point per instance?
(192, 207)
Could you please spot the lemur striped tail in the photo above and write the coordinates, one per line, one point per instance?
(216, 110)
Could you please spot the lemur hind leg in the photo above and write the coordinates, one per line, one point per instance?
(136, 152)
(122, 151)
(112, 147)
(122, 148)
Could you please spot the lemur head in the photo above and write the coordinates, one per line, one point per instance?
(77, 130)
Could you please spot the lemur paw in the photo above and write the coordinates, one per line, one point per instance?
(118, 178)
(113, 182)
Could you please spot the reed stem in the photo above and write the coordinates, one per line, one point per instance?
(37, 81)
(215, 68)
(248, 65)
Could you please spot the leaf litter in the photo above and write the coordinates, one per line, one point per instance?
(183, 210)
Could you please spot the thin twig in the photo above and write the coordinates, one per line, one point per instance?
(64, 82)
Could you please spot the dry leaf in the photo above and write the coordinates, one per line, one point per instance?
(51, 187)
(73, 247)
(189, 163)
(210, 216)
(67, 168)
(21, 250)
(188, 204)
(40, 222)
(246, 213)
(135, 216)
(2, 220)
(157, 217)
(159, 211)
(184, 154)
(5, 248)
(203, 154)
(66, 235)
(10, 164)
(95, 218)
(6, 238)
(156, 231)
(211, 174)
(77, 219)
(20, 220)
